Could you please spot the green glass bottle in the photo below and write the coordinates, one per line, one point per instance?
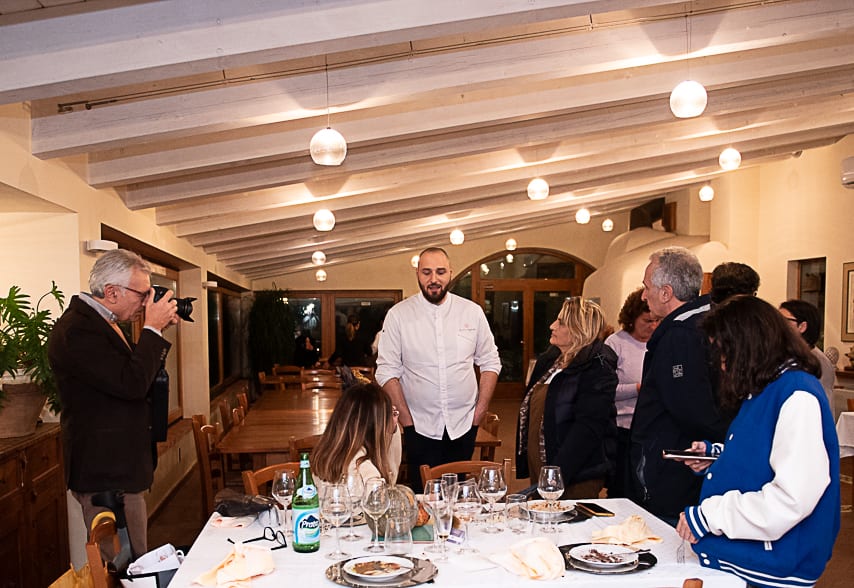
(306, 510)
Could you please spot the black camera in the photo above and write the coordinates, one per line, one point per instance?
(185, 305)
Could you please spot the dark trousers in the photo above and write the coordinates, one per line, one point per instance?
(422, 450)
(619, 484)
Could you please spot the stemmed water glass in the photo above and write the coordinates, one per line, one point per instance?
(435, 491)
(282, 491)
(466, 506)
(375, 503)
(335, 507)
(356, 487)
(550, 487)
(492, 486)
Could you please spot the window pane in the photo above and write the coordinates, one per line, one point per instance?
(462, 287)
(307, 313)
(504, 311)
(357, 321)
(213, 338)
(547, 305)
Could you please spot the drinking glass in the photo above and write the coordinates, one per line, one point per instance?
(516, 513)
(466, 507)
(398, 533)
(356, 487)
(435, 491)
(550, 487)
(282, 491)
(443, 519)
(375, 503)
(450, 481)
(492, 486)
(335, 506)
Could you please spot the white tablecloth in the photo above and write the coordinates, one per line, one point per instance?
(845, 432)
(299, 569)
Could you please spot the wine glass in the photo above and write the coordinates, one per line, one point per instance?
(435, 491)
(550, 487)
(282, 491)
(375, 503)
(356, 487)
(466, 506)
(492, 486)
(335, 507)
(443, 518)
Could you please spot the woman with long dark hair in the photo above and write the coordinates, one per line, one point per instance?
(769, 505)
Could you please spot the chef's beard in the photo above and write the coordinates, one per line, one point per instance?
(433, 298)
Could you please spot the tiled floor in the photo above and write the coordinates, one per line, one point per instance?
(179, 521)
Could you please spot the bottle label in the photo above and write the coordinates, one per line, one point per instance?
(303, 464)
(307, 492)
(306, 527)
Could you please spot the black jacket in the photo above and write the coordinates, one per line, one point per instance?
(105, 388)
(579, 419)
(676, 405)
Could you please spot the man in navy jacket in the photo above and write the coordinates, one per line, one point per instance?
(676, 403)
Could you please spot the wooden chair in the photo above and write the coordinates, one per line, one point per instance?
(316, 380)
(489, 424)
(237, 415)
(297, 446)
(291, 375)
(104, 534)
(211, 470)
(255, 481)
(243, 401)
(225, 414)
(274, 383)
(469, 468)
(850, 402)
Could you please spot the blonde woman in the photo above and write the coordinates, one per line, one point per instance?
(567, 417)
(361, 436)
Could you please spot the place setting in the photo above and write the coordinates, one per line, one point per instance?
(391, 571)
(604, 558)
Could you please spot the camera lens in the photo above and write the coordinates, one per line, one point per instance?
(184, 305)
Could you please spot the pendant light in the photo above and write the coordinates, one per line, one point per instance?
(320, 275)
(328, 146)
(607, 225)
(510, 244)
(707, 193)
(324, 220)
(729, 159)
(582, 217)
(538, 189)
(318, 258)
(457, 237)
(414, 261)
(688, 99)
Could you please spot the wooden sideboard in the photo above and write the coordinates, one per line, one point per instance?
(33, 510)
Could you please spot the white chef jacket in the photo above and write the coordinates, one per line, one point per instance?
(431, 349)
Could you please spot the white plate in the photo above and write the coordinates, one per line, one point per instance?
(378, 568)
(603, 555)
(537, 509)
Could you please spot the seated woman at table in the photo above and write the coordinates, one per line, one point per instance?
(769, 505)
(567, 417)
(361, 436)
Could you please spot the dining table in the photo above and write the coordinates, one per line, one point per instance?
(845, 433)
(467, 570)
(276, 416)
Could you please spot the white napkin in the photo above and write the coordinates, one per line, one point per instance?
(536, 558)
(218, 520)
(239, 567)
(631, 531)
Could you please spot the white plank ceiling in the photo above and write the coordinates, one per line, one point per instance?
(203, 110)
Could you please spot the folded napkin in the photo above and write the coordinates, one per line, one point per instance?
(632, 531)
(242, 564)
(218, 520)
(536, 558)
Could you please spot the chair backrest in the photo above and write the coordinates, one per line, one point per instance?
(243, 401)
(225, 415)
(209, 463)
(489, 424)
(237, 415)
(276, 383)
(103, 533)
(298, 445)
(256, 481)
(850, 402)
(469, 468)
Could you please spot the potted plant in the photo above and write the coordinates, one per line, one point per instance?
(24, 368)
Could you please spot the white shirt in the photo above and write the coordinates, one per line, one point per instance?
(431, 349)
(630, 353)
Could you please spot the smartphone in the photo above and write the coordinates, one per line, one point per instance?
(682, 454)
(593, 509)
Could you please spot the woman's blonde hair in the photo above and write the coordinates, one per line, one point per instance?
(586, 323)
(361, 419)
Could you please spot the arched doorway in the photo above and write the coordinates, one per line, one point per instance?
(521, 293)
